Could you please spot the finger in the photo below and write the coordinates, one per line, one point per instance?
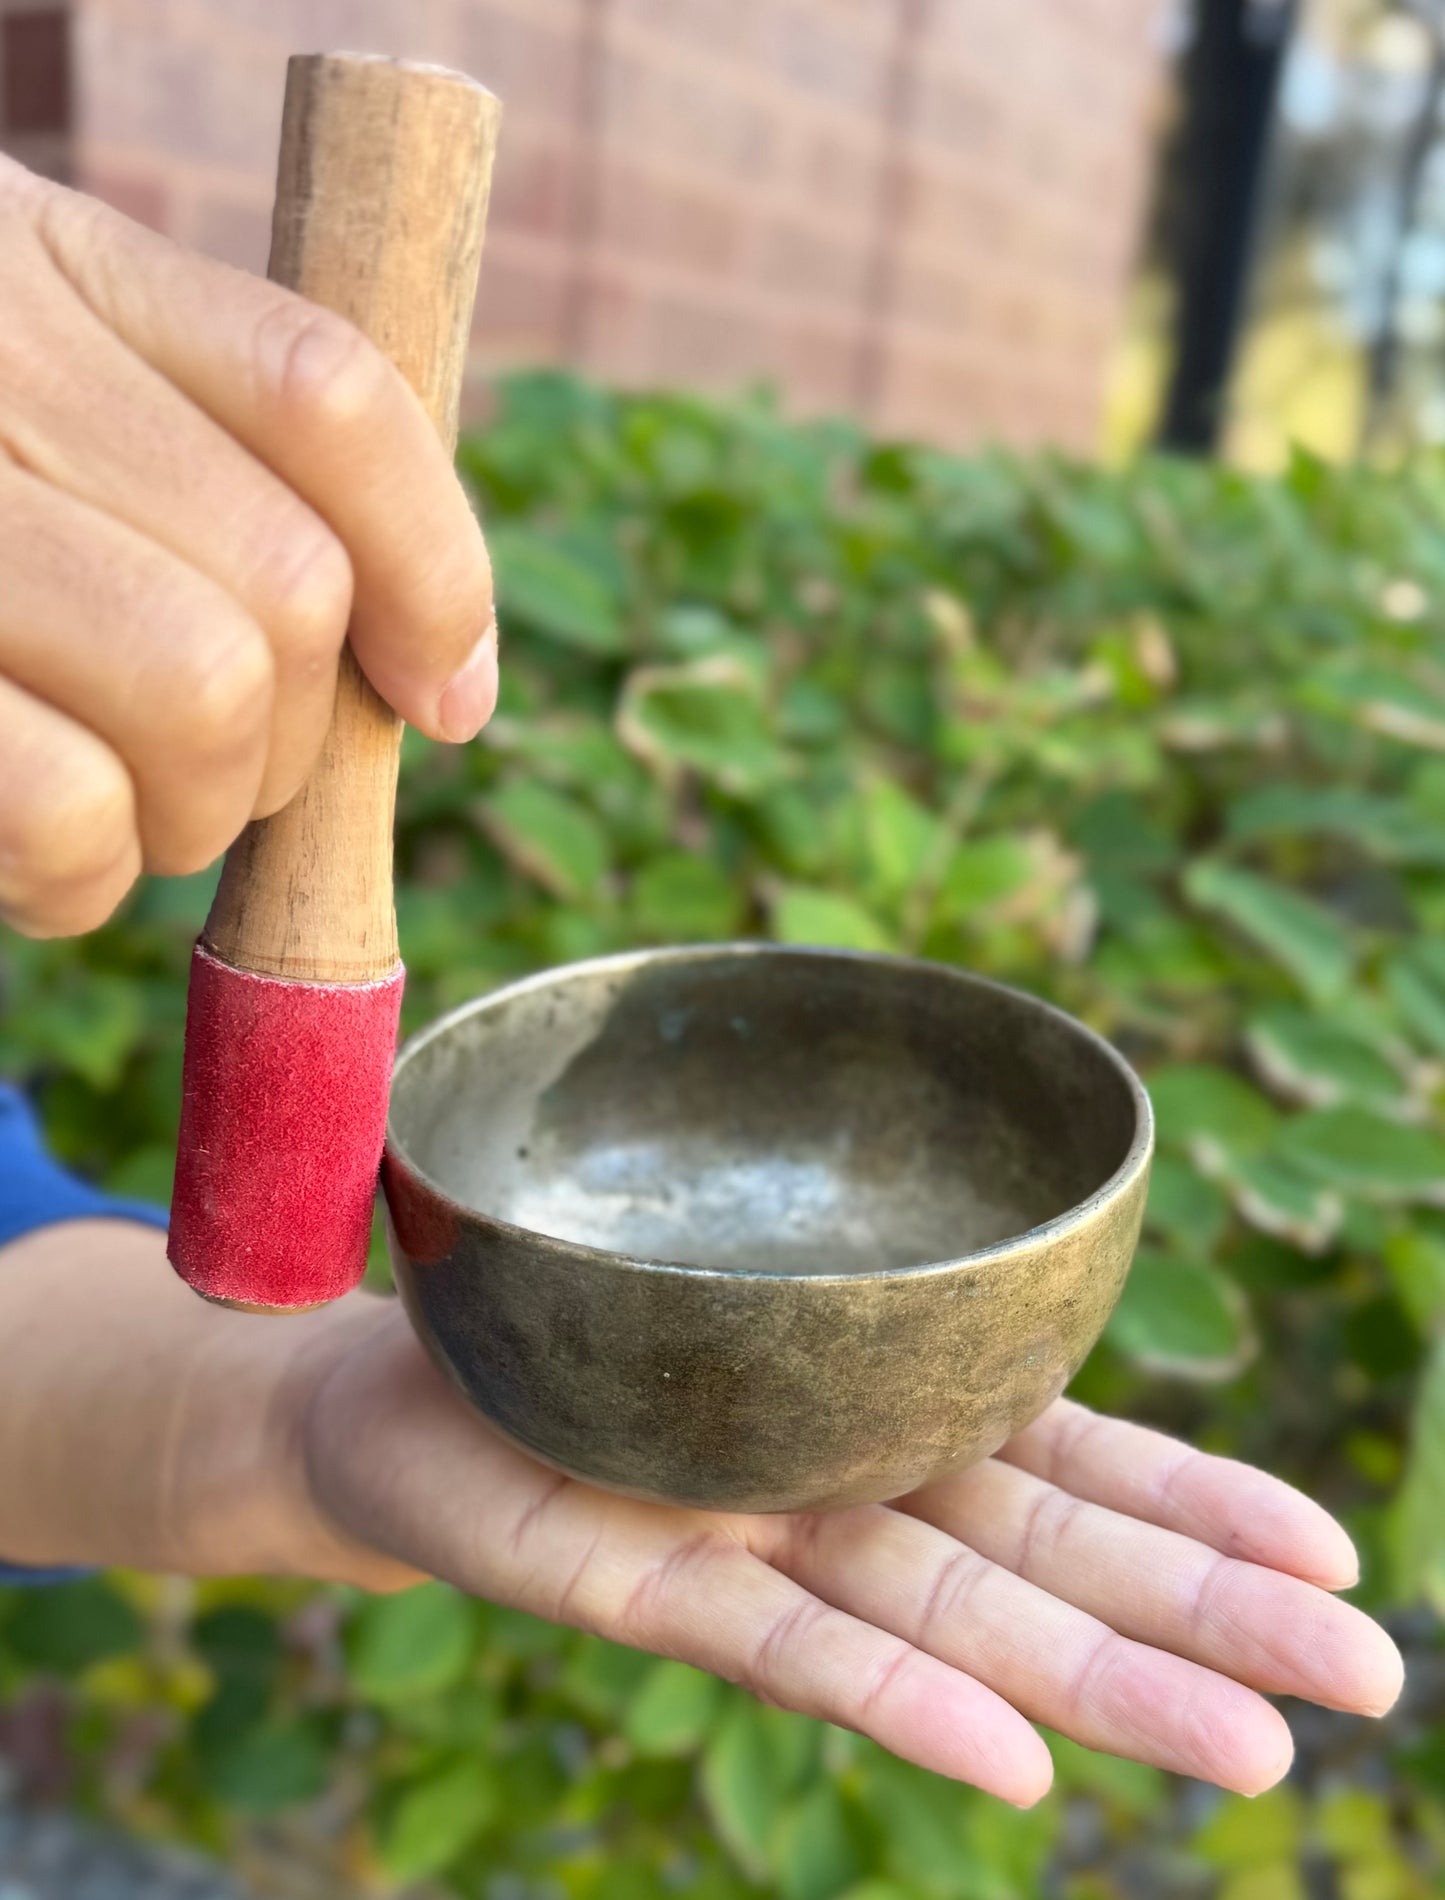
(308, 396)
(1266, 1629)
(68, 845)
(1229, 1505)
(152, 657)
(1052, 1662)
(100, 424)
(681, 1583)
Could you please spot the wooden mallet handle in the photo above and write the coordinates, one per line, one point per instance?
(296, 985)
(381, 197)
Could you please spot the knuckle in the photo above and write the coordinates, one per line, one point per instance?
(306, 590)
(221, 690)
(651, 1601)
(70, 846)
(317, 368)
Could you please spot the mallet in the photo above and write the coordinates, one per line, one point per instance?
(296, 983)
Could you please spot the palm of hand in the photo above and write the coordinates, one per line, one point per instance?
(1093, 1576)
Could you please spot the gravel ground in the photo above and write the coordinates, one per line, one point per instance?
(49, 1855)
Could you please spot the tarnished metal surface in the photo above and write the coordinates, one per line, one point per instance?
(757, 1228)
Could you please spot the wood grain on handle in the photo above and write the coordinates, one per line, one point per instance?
(381, 198)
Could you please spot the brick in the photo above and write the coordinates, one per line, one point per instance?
(527, 54)
(794, 257)
(179, 97)
(697, 190)
(534, 184)
(930, 394)
(640, 210)
(237, 231)
(521, 302)
(35, 49)
(611, 336)
(667, 110)
(805, 46)
(708, 341)
(832, 168)
(814, 363)
(732, 31)
(949, 206)
(957, 112)
(144, 196)
(363, 26)
(936, 295)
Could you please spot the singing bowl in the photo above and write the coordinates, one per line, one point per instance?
(762, 1229)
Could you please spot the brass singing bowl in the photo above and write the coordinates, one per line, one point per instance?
(762, 1229)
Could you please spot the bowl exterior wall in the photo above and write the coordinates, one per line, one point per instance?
(749, 1393)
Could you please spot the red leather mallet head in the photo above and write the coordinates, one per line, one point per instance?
(381, 198)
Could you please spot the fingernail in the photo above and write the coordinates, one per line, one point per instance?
(469, 696)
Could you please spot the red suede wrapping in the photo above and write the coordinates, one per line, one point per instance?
(283, 1119)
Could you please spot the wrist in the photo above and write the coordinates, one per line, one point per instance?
(294, 1531)
(141, 1427)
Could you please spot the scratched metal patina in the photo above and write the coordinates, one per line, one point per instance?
(762, 1229)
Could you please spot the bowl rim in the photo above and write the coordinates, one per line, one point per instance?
(1135, 1162)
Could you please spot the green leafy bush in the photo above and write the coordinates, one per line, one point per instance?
(1167, 746)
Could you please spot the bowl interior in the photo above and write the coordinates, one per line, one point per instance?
(764, 1110)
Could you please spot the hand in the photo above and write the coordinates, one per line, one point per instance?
(1094, 1576)
(201, 478)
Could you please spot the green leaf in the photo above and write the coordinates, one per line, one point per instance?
(543, 583)
(982, 872)
(145, 1174)
(602, 1678)
(553, 839)
(1415, 1257)
(1130, 1787)
(271, 1766)
(1278, 1197)
(677, 898)
(1320, 1063)
(91, 1026)
(1240, 1834)
(673, 1710)
(1359, 1152)
(880, 1890)
(813, 1853)
(900, 837)
(68, 1626)
(1386, 826)
(414, 1643)
(180, 903)
(708, 717)
(1117, 833)
(239, 1704)
(238, 1639)
(1415, 981)
(1180, 1317)
(434, 1820)
(1299, 934)
(805, 916)
(1184, 1205)
(924, 1826)
(741, 1788)
(1210, 1111)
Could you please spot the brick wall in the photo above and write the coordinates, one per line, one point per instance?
(921, 211)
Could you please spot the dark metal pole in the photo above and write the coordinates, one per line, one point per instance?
(1230, 79)
(1384, 359)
